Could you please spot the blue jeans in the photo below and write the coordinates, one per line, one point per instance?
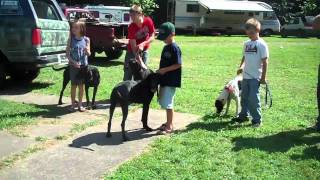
(250, 100)
(129, 57)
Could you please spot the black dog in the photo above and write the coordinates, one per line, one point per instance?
(92, 79)
(128, 92)
(138, 72)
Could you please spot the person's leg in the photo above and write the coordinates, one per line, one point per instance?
(80, 96)
(244, 99)
(166, 101)
(126, 68)
(169, 124)
(145, 56)
(254, 101)
(73, 95)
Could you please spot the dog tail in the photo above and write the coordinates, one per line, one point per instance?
(59, 69)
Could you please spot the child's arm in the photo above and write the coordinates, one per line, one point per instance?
(71, 61)
(241, 66)
(169, 68)
(87, 49)
(148, 41)
(264, 70)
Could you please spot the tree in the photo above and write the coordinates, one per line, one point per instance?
(286, 9)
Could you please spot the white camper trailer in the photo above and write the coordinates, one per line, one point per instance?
(221, 15)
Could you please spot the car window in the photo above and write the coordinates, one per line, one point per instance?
(45, 10)
(193, 8)
(296, 21)
(10, 7)
(269, 16)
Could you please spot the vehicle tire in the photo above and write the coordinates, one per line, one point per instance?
(302, 33)
(113, 53)
(25, 75)
(267, 32)
(2, 76)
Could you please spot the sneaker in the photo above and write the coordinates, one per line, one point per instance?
(256, 125)
(239, 120)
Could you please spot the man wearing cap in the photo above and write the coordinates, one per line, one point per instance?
(140, 35)
(170, 69)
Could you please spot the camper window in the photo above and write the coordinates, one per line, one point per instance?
(193, 8)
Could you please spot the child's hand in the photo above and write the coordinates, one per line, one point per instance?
(86, 51)
(239, 71)
(141, 47)
(161, 71)
(263, 81)
(76, 65)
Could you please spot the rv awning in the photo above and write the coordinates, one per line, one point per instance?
(235, 5)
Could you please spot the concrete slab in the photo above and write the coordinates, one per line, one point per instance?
(10, 144)
(90, 154)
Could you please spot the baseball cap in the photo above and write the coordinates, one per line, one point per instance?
(165, 30)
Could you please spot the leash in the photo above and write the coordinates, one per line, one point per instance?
(268, 94)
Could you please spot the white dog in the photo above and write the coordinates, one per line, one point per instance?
(230, 91)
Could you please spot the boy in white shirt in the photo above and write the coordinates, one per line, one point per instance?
(254, 65)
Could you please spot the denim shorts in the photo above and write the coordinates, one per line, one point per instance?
(166, 99)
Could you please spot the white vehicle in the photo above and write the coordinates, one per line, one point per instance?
(221, 15)
(301, 27)
(110, 14)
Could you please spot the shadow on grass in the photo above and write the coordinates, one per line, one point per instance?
(100, 138)
(212, 122)
(105, 62)
(18, 88)
(312, 152)
(280, 142)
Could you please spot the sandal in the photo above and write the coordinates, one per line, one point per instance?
(81, 109)
(162, 127)
(166, 132)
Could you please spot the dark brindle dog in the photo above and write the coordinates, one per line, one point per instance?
(92, 79)
(128, 92)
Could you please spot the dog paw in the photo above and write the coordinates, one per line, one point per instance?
(94, 107)
(108, 135)
(147, 128)
(60, 103)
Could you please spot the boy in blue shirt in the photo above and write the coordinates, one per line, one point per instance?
(253, 66)
(170, 69)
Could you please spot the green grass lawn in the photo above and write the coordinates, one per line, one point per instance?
(213, 148)
(17, 114)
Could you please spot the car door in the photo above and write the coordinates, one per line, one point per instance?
(53, 26)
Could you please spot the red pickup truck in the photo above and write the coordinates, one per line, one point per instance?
(102, 35)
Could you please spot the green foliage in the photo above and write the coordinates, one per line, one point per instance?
(287, 8)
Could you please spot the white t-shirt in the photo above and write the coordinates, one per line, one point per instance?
(254, 52)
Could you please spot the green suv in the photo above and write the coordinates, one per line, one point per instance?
(33, 35)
